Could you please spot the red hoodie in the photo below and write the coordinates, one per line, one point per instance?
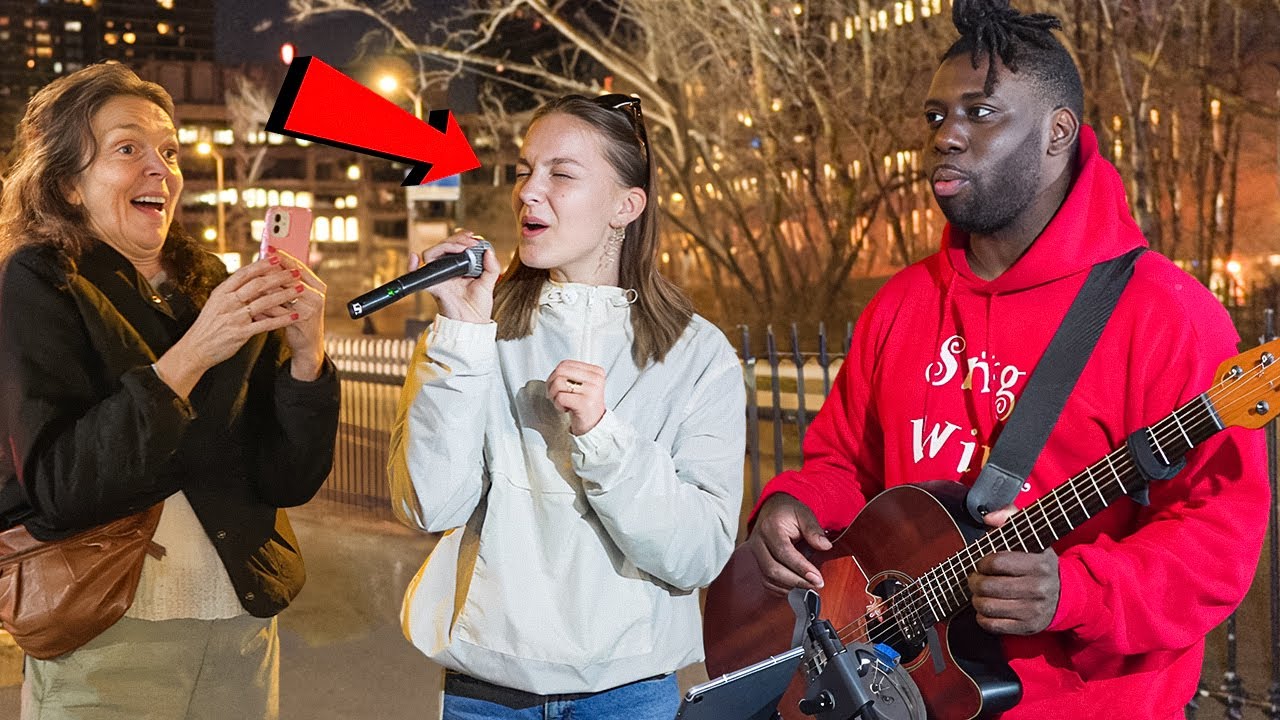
(938, 361)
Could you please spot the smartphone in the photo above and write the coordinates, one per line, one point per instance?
(289, 229)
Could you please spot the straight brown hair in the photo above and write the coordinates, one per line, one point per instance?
(661, 311)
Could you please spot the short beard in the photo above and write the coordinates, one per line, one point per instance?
(996, 202)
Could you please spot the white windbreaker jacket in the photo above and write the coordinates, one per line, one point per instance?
(592, 547)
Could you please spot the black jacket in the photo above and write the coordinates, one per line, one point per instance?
(91, 433)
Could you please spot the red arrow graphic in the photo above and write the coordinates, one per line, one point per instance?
(320, 104)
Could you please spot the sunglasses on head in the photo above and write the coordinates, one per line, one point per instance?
(629, 105)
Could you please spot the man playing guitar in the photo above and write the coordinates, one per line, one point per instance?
(1110, 620)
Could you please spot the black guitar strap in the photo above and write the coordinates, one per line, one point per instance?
(1046, 391)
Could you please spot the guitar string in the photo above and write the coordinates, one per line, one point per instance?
(1201, 413)
(919, 601)
(954, 571)
(1159, 432)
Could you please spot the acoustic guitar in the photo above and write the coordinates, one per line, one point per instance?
(899, 573)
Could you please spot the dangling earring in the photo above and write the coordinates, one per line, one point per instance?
(612, 248)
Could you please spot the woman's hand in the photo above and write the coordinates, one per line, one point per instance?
(305, 333)
(239, 308)
(578, 389)
(462, 298)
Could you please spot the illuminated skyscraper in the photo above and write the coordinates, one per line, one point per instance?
(42, 39)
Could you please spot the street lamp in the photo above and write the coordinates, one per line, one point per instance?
(390, 83)
(205, 147)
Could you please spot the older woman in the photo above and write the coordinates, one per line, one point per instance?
(134, 371)
(586, 428)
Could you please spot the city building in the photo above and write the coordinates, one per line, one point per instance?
(42, 39)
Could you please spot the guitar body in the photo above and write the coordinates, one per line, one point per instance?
(898, 536)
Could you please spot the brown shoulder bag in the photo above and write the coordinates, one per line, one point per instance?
(56, 596)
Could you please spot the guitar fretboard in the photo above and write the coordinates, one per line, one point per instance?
(943, 590)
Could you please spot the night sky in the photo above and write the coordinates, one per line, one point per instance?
(253, 30)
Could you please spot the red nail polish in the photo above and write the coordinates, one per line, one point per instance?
(271, 248)
(294, 316)
(296, 273)
(274, 260)
(299, 287)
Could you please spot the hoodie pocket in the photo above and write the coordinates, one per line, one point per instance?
(548, 587)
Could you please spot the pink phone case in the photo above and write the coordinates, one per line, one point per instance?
(288, 229)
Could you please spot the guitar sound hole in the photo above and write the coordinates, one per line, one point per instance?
(895, 622)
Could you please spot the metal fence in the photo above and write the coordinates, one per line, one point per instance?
(372, 372)
(785, 388)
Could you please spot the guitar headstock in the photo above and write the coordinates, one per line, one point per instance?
(1248, 389)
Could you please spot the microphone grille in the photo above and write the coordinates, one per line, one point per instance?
(475, 254)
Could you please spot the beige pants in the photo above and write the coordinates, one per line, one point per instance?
(167, 670)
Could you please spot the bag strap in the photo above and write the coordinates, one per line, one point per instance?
(1046, 391)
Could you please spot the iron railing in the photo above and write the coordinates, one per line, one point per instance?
(372, 371)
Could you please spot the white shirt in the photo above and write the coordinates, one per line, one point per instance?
(190, 581)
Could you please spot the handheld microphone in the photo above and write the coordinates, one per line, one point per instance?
(468, 263)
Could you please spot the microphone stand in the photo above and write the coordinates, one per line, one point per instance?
(837, 690)
(837, 673)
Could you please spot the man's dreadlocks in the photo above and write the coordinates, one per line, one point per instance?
(1024, 43)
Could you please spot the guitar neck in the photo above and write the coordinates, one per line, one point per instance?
(944, 589)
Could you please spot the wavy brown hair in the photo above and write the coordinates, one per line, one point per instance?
(54, 144)
(661, 311)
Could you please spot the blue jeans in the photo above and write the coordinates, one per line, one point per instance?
(655, 699)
